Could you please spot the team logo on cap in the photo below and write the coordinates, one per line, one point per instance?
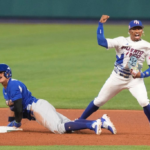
(136, 21)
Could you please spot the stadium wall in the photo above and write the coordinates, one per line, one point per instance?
(75, 9)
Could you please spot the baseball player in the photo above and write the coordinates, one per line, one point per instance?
(131, 52)
(23, 105)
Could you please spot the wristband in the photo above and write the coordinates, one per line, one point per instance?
(10, 119)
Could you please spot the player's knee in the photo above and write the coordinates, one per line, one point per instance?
(143, 104)
(61, 128)
(98, 102)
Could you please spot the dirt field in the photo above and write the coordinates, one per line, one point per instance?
(132, 127)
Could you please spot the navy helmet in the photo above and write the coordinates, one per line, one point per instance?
(6, 69)
(135, 23)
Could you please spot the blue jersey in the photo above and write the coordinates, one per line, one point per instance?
(17, 90)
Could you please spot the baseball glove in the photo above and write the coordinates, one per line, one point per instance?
(134, 66)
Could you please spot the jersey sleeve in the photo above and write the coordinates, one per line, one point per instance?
(5, 95)
(115, 43)
(148, 59)
(101, 40)
(148, 56)
(15, 92)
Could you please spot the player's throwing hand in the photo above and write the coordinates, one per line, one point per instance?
(104, 18)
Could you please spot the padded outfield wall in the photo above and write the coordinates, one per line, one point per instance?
(81, 9)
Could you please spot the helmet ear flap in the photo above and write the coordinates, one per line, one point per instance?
(7, 73)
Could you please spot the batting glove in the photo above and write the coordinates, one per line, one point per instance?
(14, 123)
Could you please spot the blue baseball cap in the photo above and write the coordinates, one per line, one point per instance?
(135, 23)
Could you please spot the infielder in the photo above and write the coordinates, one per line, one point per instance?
(131, 52)
(24, 105)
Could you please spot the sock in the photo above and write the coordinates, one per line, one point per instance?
(83, 121)
(89, 121)
(147, 111)
(73, 126)
(89, 110)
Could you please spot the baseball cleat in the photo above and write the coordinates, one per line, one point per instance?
(107, 124)
(96, 126)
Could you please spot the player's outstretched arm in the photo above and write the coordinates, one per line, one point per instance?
(104, 18)
(101, 40)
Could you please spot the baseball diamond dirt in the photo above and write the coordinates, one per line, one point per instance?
(132, 129)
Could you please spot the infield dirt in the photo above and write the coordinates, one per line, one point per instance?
(132, 127)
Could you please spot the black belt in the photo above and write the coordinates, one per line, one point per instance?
(125, 76)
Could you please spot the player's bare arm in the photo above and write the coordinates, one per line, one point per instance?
(104, 18)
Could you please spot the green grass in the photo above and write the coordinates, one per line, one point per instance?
(75, 147)
(63, 63)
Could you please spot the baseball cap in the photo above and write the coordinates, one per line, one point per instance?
(135, 23)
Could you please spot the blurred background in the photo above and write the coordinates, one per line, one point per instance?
(51, 46)
(70, 9)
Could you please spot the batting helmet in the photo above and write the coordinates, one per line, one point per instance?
(7, 71)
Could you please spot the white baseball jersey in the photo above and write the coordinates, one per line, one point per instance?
(121, 78)
(125, 48)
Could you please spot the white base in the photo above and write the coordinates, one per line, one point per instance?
(4, 129)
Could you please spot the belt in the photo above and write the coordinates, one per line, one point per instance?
(121, 74)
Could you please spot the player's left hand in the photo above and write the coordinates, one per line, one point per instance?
(14, 123)
(9, 103)
(138, 75)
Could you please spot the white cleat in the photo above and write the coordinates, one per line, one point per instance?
(107, 124)
(96, 126)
